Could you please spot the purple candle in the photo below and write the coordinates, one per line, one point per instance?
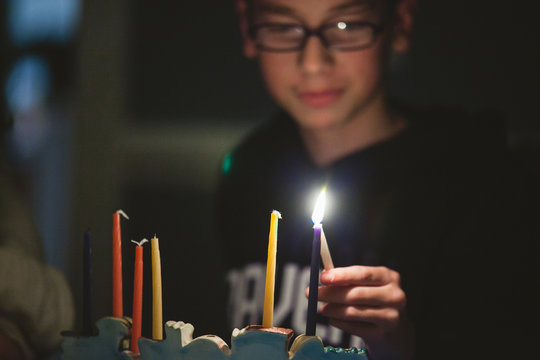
(316, 217)
(87, 283)
(311, 322)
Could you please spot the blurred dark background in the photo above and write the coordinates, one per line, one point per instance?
(131, 105)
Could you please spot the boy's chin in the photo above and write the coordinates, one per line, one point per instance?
(318, 122)
(317, 119)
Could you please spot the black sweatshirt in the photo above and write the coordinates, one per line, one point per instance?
(441, 203)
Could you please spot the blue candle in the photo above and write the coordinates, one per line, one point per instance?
(316, 217)
(87, 283)
(311, 322)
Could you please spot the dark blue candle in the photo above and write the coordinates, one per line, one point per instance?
(313, 297)
(87, 283)
(311, 322)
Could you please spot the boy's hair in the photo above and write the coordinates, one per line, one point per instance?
(392, 4)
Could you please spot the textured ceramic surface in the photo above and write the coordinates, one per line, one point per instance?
(250, 343)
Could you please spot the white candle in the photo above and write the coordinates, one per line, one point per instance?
(325, 253)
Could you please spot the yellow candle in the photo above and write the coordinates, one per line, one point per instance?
(268, 311)
(157, 318)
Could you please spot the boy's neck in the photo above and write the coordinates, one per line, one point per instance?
(375, 124)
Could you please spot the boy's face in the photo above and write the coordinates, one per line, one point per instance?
(319, 87)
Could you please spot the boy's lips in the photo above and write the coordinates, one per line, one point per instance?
(320, 98)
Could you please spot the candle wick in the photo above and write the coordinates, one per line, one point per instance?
(121, 212)
(140, 243)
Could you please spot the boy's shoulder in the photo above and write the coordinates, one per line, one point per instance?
(458, 121)
(459, 129)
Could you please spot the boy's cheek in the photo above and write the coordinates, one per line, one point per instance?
(278, 70)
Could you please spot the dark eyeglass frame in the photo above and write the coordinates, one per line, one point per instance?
(317, 32)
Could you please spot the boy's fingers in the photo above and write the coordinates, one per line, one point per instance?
(384, 317)
(388, 296)
(359, 275)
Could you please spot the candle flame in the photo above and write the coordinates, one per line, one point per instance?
(318, 212)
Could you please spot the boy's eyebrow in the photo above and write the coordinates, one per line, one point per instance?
(270, 7)
(273, 8)
(361, 4)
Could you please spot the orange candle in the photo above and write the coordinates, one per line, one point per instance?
(117, 264)
(137, 297)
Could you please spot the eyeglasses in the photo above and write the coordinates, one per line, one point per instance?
(339, 36)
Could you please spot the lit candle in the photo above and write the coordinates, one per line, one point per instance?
(137, 296)
(87, 284)
(157, 313)
(118, 310)
(268, 311)
(316, 217)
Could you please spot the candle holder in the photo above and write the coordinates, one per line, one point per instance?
(251, 343)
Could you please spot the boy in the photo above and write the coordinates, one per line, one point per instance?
(418, 225)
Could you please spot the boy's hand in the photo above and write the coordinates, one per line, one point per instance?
(369, 302)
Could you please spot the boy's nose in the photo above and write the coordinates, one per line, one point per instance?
(314, 57)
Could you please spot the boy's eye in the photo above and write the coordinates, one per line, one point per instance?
(348, 25)
(282, 29)
(349, 31)
(278, 35)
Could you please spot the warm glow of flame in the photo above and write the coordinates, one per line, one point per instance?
(318, 212)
